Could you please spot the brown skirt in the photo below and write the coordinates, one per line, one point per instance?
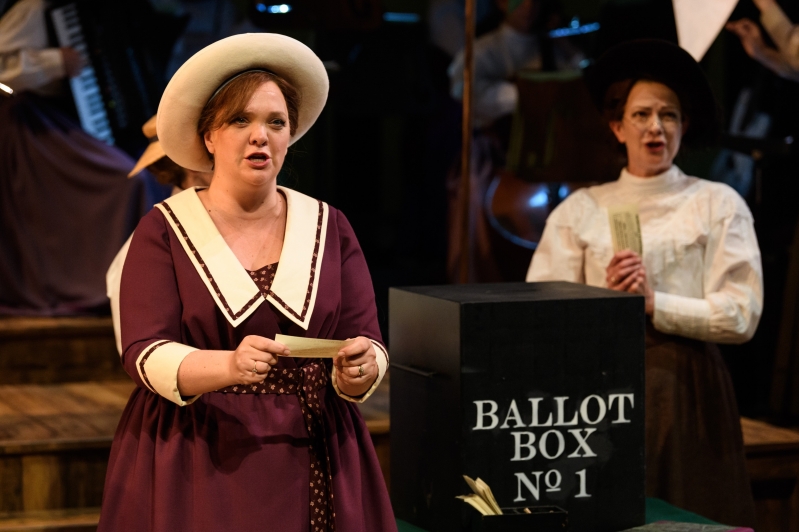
(694, 447)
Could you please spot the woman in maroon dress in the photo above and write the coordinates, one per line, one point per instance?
(222, 432)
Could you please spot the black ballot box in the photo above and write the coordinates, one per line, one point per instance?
(536, 388)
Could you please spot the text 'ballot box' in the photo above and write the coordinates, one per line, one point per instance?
(537, 388)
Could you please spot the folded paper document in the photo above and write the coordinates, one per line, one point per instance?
(311, 347)
(625, 228)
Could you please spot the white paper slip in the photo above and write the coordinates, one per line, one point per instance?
(625, 228)
(311, 347)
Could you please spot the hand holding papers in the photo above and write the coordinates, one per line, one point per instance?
(311, 347)
(625, 229)
(356, 367)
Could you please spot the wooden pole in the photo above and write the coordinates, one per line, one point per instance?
(466, 142)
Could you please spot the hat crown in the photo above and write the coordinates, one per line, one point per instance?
(666, 63)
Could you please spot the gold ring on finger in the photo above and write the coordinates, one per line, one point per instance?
(360, 370)
(255, 367)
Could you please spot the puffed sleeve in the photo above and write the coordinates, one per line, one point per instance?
(150, 311)
(358, 315)
(560, 255)
(786, 36)
(732, 279)
(113, 279)
(26, 63)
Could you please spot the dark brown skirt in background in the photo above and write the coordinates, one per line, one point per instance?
(694, 446)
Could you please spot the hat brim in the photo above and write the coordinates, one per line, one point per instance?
(196, 81)
(666, 63)
(151, 154)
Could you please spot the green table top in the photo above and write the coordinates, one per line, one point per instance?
(656, 510)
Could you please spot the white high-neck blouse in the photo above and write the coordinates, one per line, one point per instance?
(700, 251)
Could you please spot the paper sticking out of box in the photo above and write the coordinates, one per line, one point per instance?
(482, 499)
(625, 228)
(311, 347)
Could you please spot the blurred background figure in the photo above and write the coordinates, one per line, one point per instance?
(521, 42)
(169, 174)
(784, 59)
(65, 205)
(446, 22)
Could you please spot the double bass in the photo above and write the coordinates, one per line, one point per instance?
(558, 144)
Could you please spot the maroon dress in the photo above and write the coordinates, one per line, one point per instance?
(289, 455)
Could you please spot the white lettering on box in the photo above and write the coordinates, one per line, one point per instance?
(534, 402)
(553, 485)
(513, 414)
(561, 422)
(582, 443)
(542, 444)
(620, 397)
(481, 415)
(584, 409)
(521, 478)
(518, 445)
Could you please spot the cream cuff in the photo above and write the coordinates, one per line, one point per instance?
(158, 367)
(382, 365)
(685, 316)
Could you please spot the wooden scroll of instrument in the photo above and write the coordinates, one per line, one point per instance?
(558, 143)
(557, 134)
(625, 228)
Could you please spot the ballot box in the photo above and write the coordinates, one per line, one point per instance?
(536, 388)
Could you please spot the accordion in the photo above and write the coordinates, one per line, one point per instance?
(120, 86)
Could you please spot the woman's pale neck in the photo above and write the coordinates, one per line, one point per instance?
(244, 201)
(647, 171)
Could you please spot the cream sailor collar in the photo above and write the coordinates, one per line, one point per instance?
(294, 288)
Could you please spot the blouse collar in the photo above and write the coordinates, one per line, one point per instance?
(658, 183)
(293, 291)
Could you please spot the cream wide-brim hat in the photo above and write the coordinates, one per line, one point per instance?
(153, 152)
(199, 78)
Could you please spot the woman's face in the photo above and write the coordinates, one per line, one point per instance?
(252, 146)
(651, 128)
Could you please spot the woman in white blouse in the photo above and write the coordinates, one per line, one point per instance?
(700, 273)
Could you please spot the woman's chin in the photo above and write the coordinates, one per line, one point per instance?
(654, 164)
(257, 177)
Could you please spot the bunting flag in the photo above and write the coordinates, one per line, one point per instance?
(700, 22)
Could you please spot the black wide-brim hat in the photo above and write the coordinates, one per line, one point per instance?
(667, 63)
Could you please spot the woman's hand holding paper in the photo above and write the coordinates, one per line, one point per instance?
(253, 358)
(356, 367)
(626, 273)
(622, 269)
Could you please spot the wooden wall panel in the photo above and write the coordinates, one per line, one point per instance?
(53, 350)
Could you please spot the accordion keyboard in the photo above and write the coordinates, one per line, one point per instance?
(85, 87)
